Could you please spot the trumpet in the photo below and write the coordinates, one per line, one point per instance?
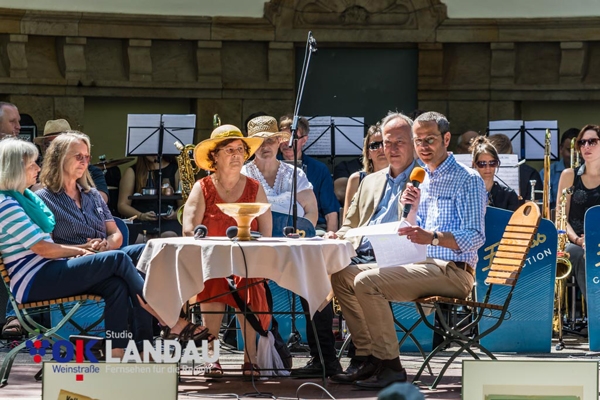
(545, 204)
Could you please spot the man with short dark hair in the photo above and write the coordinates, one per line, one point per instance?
(447, 214)
(10, 120)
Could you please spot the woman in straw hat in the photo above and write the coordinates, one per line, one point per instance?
(276, 176)
(224, 154)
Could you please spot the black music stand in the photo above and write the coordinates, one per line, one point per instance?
(155, 135)
(335, 136)
(527, 138)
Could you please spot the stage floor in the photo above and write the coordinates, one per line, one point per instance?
(23, 386)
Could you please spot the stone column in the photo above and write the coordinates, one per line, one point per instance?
(208, 56)
(281, 62)
(14, 55)
(71, 57)
(572, 62)
(503, 63)
(431, 63)
(139, 61)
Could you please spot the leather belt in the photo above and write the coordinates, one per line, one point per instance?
(465, 267)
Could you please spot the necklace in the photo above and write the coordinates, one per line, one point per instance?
(224, 188)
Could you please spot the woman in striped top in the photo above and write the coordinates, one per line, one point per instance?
(40, 269)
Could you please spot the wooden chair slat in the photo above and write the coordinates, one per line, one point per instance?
(517, 235)
(510, 254)
(514, 249)
(507, 261)
(521, 228)
(508, 268)
(500, 281)
(515, 242)
(503, 274)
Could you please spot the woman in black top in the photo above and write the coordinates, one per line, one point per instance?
(585, 184)
(486, 162)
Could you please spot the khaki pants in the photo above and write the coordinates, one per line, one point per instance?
(364, 292)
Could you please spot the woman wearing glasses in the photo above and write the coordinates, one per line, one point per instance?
(584, 182)
(136, 178)
(373, 159)
(486, 162)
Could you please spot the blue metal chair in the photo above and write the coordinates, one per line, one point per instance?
(281, 220)
(124, 230)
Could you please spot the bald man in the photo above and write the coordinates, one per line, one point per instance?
(9, 120)
(464, 142)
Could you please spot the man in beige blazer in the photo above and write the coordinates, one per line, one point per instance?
(376, 201)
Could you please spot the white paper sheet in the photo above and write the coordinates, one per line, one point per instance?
(390, 248)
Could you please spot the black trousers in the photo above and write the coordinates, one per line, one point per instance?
(324, 324)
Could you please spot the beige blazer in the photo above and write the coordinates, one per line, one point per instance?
(364, 203)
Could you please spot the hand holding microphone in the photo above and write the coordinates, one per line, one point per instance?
(409, 195)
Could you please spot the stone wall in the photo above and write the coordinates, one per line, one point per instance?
(472, 70)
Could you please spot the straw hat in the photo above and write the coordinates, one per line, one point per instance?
(52, 129)
(265, 127)
(221, 133)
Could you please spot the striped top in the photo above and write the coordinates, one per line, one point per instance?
(18, 233)
(75, 225)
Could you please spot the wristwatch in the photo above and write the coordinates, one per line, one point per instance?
(435, 241)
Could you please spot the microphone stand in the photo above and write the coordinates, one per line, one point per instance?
(311, 47)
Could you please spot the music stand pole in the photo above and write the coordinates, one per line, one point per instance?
(161, 135)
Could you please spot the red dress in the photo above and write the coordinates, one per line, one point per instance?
(217, 223)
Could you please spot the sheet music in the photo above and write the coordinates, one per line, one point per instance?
(143, 133)
(506, 175)
(390, 248)
(537, 129)
(535, 132)
(510, 128)
(319, 140)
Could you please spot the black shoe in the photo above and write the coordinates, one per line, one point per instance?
(385, 377)
(314, 369)
(357, 370)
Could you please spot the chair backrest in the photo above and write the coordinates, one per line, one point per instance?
(124, 230)
(281, 220)
(514, 245)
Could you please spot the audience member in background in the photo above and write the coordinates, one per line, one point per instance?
(138, 177)
(558, 166)
(224, 154)
(341, 174)
(465, 141)
(585, 182)
(526, 173)
(9, 120)
(52, 129)
(251, 117)
(276, 176)
(487, 162)
(318, 174)
(373, 160)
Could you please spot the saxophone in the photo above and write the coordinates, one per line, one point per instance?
(187, 173)
(563, 266)
(188, 169)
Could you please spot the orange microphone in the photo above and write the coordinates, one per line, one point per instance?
(417, 176)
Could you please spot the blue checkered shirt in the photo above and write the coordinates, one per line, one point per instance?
(454, 199)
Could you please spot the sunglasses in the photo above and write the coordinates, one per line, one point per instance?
(81, 157)
(375, 145)
(491, 164)
(590, 142)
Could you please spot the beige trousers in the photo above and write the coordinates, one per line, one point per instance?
(364, 292)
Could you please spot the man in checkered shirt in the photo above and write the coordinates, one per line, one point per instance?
(447, 214)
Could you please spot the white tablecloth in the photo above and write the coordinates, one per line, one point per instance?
(176, 268)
